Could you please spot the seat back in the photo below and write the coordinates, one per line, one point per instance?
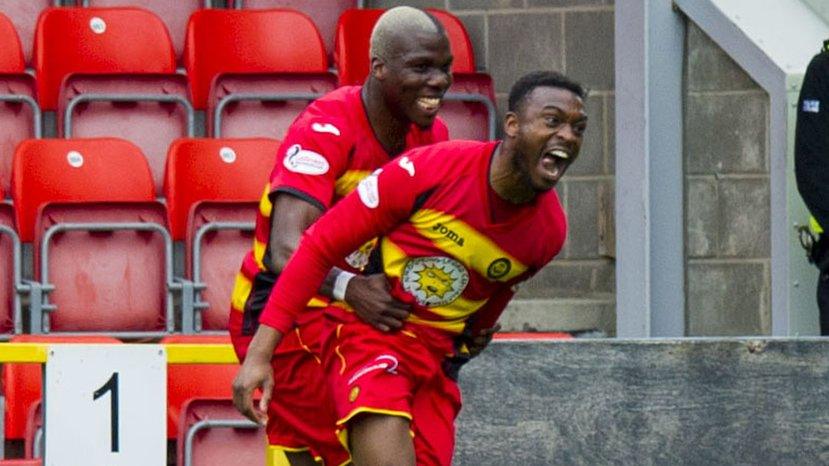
(249, 105)
(215, 248)
(325, 13)
(8, 267)
(249, 41)
(474, 117)
(97, 40)
(22, 384)
(174, 14)
(212, 187)
(19, 119)
(151, 125)
(214, 169)
(23, 14)
(353, 37)
(93, 170)
(111, 282)
(214, 445)
(186, 381)
(11, 53)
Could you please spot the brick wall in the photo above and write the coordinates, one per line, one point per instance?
(727, 214)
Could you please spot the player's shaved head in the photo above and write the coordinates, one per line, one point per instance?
(398, 22)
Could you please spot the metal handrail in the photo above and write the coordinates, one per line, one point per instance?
(198, 305)
(478, 98)
(206, 424)
(162, 98)
(134, 226)
(36, 114)
(264, 97)
(16, 277)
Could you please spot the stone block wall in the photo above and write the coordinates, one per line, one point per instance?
(727, 210)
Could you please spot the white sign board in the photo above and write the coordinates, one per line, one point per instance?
(105, 405)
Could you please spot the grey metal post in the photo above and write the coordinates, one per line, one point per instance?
(650, 276)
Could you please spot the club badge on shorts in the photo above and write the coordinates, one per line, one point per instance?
(434, 281)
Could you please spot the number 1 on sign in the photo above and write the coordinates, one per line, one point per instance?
(111, 386)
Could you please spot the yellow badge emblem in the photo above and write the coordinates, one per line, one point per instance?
(355, 392)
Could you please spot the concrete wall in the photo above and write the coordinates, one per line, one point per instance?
(727, 203)
(726, 167)
(656, 402)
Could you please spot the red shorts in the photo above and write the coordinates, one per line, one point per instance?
(301, 412)
(397, 374)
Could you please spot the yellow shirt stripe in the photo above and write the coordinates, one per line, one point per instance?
(463, 242)
(265, 205)
(241, 291)
(348, 182)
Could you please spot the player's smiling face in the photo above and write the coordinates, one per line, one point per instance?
(417, 77)
(549, 127)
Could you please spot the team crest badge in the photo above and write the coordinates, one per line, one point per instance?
(434, 281)
(498, 268)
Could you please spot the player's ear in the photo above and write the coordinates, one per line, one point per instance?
(378, 68)
(511, 124)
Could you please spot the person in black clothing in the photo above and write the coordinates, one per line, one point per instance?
(812, 170)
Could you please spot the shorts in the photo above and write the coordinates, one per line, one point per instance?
(301, 412)
(396, 374)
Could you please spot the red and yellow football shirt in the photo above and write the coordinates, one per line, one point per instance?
(329, 148)
(439, 244)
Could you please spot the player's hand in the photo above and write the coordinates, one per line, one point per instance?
(369, 296)
(476, 343)
(253, 374)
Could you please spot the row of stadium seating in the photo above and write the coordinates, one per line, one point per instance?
(123, 83)
(103, 246)
(200, 414)
(325, 13)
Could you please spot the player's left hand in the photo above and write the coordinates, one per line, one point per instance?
(477, 343)
(370, 297)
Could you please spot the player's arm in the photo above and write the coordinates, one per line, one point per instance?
(368, 295)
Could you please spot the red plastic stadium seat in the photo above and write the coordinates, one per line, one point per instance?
(469, 107)
(211, 182)
(249, 41)
(54, 170)
(186, 381)
(22, 462)
(97, 40)
(211, 442)
(174, 14)
(353, 37)
(23, 14)
(19, 119)
(152, 126)
(22, 382)
(106, 278)
(8, 267)
(236, 108)
(33, 441)
(324, 13)
(11, 55)
(19, 113)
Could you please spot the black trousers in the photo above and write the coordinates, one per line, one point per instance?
(820, 257)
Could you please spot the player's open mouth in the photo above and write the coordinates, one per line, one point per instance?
(428, 104)
(554, 163)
